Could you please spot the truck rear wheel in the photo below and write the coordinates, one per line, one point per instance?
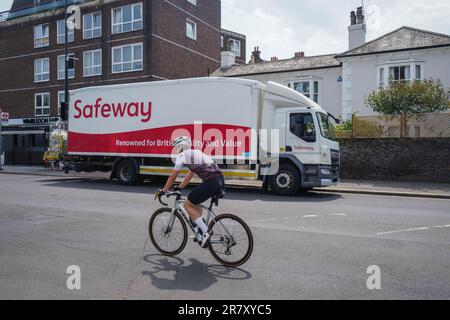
(286, 181)
(126, 172)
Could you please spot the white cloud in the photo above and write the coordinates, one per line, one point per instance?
(283, 27)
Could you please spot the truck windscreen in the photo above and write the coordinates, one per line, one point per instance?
(326, 127)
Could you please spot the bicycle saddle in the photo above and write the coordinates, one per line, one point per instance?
(219, 195)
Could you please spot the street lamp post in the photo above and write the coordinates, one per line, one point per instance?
(66, 64)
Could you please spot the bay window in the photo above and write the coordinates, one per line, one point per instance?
(395, 72)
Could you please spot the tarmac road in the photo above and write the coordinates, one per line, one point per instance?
(313, 246)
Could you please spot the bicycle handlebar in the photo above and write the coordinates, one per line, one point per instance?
(158, 195)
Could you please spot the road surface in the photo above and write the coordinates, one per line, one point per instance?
(314, 246)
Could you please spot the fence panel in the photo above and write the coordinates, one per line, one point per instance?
(426, 125)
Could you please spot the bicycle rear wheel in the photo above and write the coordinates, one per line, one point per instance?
(231, 242)
(167, 232)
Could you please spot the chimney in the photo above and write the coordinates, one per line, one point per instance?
(256, 56)
(227, 60)
(357, 29)
(274, 59)
(299, 54)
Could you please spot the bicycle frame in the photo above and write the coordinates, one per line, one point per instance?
(178, 206)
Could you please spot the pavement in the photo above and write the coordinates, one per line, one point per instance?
(393, 188)
(314, 246)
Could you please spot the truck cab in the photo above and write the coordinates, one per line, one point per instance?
(309, 156)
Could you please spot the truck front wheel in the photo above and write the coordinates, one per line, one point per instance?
(126, 172)
(286, 181)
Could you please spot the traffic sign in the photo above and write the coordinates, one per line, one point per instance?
(4, 116)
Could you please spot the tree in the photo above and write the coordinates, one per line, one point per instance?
(410, 98)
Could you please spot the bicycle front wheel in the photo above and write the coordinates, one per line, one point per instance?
(231, 242)
(167, 232)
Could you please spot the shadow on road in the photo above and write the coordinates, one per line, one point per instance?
(233, 193)
(172, 273)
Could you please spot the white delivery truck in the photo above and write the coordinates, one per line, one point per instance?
(254, 131)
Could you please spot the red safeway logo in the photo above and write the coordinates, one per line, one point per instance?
(4, 116)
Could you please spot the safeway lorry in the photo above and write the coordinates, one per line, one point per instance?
(254, 131)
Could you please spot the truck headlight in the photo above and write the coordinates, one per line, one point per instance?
(325, 171)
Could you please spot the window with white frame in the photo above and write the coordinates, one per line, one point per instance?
(92, 63)
(235, 47)
(381, 78)
(62, 66)
(127, 18)
(61, 32)
(194, 2)
(41, 38)
(127, 58)
(42, 104)
(41, 70)
(399, 72)
(308, 87)
(92, 25)
(191, 29)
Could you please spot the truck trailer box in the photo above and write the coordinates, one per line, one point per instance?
(254, 131)
(141, 119)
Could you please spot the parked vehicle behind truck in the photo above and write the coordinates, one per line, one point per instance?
(249, 128)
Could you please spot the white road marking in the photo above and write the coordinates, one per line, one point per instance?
(296, 217)
(412, 229)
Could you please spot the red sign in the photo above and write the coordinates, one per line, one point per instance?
(4, 116)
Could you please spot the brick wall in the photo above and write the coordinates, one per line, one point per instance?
(175, 57)
(425, 160)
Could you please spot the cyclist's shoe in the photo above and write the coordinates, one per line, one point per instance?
(205, 240)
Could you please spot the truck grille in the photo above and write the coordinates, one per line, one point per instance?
(335, 163)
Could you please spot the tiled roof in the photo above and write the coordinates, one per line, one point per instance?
(404, 38)
(294, 64)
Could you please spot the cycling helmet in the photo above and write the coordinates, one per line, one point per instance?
(182, 143)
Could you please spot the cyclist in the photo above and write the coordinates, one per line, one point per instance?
(206, 169)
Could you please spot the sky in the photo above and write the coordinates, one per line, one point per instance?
(283, 27)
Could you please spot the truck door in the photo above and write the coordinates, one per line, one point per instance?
(301, 136)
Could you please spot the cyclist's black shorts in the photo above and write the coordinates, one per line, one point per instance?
(206, 190)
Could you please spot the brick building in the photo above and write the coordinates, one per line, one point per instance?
(118, 41)
(235, 43)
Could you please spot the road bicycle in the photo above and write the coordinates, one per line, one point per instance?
(231, 241)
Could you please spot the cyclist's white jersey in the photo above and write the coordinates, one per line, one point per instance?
(199, 163)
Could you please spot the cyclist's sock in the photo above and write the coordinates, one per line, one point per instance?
(201, 224)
